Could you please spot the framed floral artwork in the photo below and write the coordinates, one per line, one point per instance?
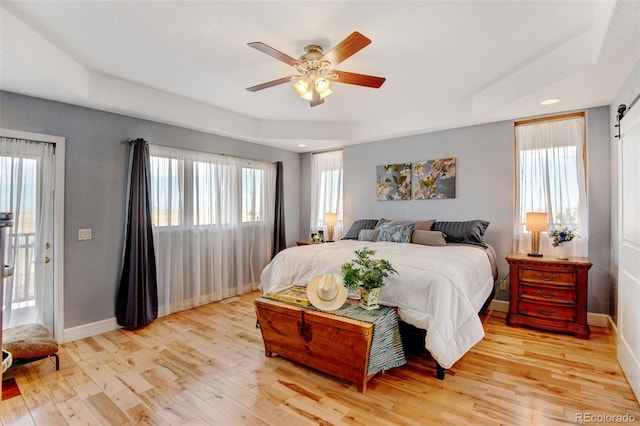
(434, 179)
(393, 182)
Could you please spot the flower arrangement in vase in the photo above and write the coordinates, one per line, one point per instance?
(563, 235)
(368, 274)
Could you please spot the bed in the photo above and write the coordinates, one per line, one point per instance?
(439, 289)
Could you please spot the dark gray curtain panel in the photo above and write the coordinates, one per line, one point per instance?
(137, 301)
(279, 240)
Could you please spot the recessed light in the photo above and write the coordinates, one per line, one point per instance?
(302, 145)
(550, 101)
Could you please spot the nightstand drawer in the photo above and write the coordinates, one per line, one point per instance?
(552, 294)
(542, 276)
(555, 312)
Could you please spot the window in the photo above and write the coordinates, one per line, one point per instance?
(212, 225)
(205, 183)
(252, 199)
(326, 189)
(165, 208)
(550, 173)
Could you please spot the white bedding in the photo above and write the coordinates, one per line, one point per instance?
(438, 289)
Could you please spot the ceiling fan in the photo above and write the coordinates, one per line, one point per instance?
(316, 69)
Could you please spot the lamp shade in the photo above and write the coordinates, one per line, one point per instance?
(331, 219)
(536, 221)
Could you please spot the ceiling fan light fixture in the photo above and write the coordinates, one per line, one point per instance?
(301, 86)
(322, 85)
(305, 85)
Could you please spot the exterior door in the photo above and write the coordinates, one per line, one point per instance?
(629, 249)
(29, 164)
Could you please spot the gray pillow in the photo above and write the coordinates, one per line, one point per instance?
(359, 225)
(428, 238)
(470, 232)
(368, 235)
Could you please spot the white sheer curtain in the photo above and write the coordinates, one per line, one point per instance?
(26, 190)
(326, 190)
(213, 225)
(550, 173)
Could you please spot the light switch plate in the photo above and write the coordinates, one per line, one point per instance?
(84, 234)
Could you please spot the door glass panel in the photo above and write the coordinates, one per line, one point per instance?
(26, 179)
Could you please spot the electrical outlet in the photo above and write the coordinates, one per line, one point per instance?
(503, 284)
(84, 234)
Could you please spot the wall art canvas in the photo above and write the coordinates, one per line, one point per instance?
(434, 179)
(393, 182)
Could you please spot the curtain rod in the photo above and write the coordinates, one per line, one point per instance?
(131, 141)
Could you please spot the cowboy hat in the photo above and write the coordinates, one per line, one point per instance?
(326, 292)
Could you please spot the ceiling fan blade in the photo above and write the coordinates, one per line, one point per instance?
(347, 47)
(358, 79)
(273, 52)
(270, 84)
(316, 99)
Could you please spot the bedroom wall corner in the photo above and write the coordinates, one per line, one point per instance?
(305, 195)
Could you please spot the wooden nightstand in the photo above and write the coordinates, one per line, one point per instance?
(549, 293)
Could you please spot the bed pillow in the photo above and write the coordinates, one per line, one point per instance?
(396, 233)
(424, 225)
(428, 238)
(419, 224)
(470, 232)
(359, 225)
(368, 235)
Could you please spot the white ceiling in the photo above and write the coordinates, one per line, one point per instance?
(447, 63)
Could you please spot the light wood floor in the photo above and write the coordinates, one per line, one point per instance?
(207, 366)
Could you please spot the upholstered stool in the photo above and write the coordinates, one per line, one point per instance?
(28, 343)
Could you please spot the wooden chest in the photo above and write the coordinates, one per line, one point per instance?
(333, 344)
(549, 293)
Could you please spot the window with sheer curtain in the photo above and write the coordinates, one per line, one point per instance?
(326, 190)
(550, 177)
(213, 225)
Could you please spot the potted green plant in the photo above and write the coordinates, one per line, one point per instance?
(368, 274)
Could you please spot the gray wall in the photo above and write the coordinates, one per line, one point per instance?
(628, 92)
(484, 187)
(96, 165)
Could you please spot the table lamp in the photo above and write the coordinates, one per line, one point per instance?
(536, 223)
(331, 220)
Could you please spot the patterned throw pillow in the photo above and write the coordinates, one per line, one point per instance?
(396, 233)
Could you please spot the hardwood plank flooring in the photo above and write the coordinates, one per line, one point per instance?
(206, 366)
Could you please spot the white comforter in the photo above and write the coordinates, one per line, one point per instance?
(438, 289)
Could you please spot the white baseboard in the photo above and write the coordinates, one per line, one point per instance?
(88, 330)
(594, 319)
(110, 324)
(598, 320)
(499, 305)
(98, 327)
